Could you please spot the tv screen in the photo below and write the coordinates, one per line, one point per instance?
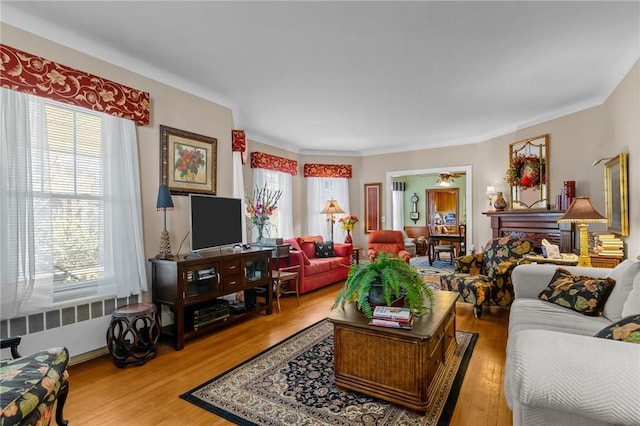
(215, 221)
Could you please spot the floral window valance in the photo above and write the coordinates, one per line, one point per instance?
(24, 72)
(239, 143)
(260, 160)
(327, 170)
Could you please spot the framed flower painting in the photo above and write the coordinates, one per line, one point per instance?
(187, 162)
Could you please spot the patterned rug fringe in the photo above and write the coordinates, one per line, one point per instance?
(291, 384)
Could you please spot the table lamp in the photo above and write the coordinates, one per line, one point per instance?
(330, 209)
(582, 212)
(164, 202)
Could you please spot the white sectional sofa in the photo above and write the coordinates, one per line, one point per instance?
(557, 372)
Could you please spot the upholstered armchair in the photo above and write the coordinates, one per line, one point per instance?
(409, 243)
(389, 242)
(32, 384)
(485, 277)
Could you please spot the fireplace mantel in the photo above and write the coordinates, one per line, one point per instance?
(534, 226)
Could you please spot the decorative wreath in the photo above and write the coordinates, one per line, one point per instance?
(526, 171)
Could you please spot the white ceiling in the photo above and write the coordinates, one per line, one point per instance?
(360, 77)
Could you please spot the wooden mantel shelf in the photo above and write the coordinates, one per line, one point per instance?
(534, 226)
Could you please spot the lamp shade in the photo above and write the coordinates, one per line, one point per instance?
(581, 210)
(491, 190)
(164, 198)
(332, 207)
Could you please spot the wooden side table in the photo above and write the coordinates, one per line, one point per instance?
(355, 255)
(133, 334)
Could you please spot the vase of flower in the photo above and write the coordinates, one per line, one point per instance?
(347, 224)
(348, 239)
(260, 206)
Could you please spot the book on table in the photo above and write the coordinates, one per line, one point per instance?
(393, 317)
(392, 313)
(379, 322)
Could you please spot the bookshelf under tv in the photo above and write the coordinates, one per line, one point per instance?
(193, 288)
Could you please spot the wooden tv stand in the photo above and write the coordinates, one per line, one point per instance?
(190, 286)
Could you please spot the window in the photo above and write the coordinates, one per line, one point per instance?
(281, 222)
(77, 205)
(70, 222)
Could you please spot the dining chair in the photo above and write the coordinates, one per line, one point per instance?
(438, 246)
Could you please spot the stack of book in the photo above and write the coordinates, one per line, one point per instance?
(610, 245)
(390, 316)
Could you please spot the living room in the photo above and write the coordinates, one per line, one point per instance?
(576, 140)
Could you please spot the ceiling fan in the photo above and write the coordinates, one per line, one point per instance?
(446, 179)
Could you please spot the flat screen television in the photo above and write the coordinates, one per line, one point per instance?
(214, 221)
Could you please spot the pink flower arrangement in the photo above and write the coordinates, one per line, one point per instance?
(261, 204)
(348, 222)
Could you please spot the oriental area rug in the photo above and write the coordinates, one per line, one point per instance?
(291, 383)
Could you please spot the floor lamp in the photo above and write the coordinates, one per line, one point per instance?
(582, 212)
(164, 202)
(330, 209)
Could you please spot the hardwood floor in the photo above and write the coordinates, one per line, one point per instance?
(102, 394)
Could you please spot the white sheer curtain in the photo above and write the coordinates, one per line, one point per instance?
(238, 189)
(281, 223)
(27, 214)
(398, 205)
(124, 250)
(26, 256)
(319, 191)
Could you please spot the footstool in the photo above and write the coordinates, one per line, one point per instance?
(133, 334)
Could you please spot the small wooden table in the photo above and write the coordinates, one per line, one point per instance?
(434, 238)
(391, 364)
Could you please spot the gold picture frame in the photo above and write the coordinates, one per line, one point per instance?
(187, 161)
(617, 195)
(372, 207)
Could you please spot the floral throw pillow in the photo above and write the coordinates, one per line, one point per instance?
(625, 330)
(324, 249)
(586, 295)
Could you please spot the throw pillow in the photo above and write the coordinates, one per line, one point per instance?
(625, 330)
(586, 295)
(624, 274)
(325, 249)
(293, 243)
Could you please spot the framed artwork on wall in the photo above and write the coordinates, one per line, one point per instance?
(187, 161)
(372, 206)
(616, 195)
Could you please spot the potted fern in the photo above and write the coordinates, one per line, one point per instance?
(382, 281)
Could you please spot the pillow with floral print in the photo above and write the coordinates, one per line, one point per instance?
(625, 330)
(586, 295)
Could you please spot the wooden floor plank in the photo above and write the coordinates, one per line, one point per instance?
(102, 394)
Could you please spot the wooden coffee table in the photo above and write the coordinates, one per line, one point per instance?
(394, 365)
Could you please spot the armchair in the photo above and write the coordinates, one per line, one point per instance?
(32, 384)
(486, 276)
(409, 243)
(389, 242)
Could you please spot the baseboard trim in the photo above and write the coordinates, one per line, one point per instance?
(88, 356)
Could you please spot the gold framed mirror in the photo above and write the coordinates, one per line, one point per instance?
(616, 195)
(528, 174)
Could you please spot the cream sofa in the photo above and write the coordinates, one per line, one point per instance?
(557, 372)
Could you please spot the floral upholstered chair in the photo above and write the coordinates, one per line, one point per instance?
(486, 277)
(32, 384)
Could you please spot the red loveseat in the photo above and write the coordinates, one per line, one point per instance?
(318, 272)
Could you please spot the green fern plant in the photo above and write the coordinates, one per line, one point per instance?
(396, 277)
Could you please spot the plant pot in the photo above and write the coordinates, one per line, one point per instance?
(376, 297)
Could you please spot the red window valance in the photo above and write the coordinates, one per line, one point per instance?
(24, 72)
(239, 143)
(327, 170)
(260, 160)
